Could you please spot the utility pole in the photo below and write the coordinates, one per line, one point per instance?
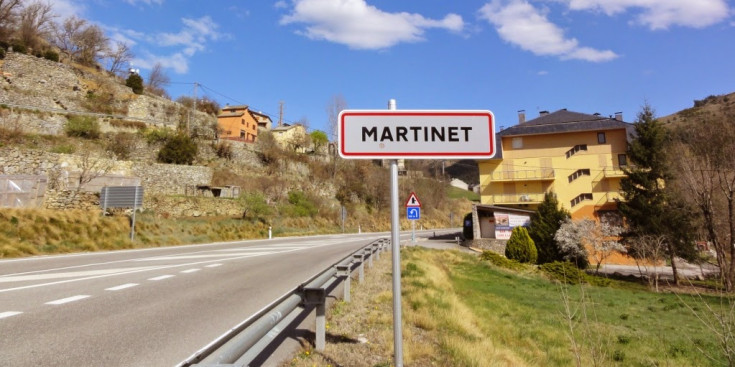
(280, 114)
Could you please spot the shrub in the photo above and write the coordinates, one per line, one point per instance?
(64, 148)
(179, 149)
(121, 145)
(51, 55)
(135, 82)
(564, 271)
(501, 261)
(154, 136)
(255, 206)
(2, 53)
(19, 47)
(82, 127)
(223, 149)
(301, 205)
(521, 247)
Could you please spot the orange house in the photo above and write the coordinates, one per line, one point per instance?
(240, 124)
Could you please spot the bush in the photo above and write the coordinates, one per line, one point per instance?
(64, 148)
(2, 54)
(223, 149)
(179, 149)
(135, 82)
(51, 55)
(301, 205)
(82, 127)
(121, 145)
(501, 261)
(255, 207)
(154, 136)
(19, 47)
(521, 247)
(569, 273)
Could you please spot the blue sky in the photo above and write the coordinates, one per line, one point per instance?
(502, 55)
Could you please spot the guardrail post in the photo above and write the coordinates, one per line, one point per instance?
(343, 271)
(376, 251)
(360, 258)
(369, 254)
(317, 297)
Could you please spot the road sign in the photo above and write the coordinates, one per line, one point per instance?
(413, 200)
(413, 213)
(392, 134)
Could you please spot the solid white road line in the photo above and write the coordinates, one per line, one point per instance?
(121, 287)
(162, 277)
(9, 313)
(67, 300)
(190, 271)
(213, 265)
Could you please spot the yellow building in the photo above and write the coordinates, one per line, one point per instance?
(575, 155)
(241, 124)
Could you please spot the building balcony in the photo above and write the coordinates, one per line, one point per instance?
(613, 172)
(541, 174)
(609, 197)
(530, 198)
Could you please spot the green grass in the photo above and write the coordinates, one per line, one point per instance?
(521, 315)
(457, 193)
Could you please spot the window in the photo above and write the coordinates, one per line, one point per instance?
(517, 143)
(579, 173)
(601, 138)
(242, 122)
(622, 160)
(576, 149)
(242, 133)
(581, 198)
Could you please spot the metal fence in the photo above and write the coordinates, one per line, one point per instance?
(22, 191)
(253, 337)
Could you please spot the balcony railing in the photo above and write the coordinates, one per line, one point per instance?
(541, 174)
(609, 197)
(532, 198)
(613, 172)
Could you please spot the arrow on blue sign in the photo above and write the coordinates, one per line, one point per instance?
(413, 213)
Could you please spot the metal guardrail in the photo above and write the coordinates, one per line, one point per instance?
(242, 344)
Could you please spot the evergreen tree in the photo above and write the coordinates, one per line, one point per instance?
(179, 149)
(544, 223)
(135, 82)
(647, 205)
(520, 246)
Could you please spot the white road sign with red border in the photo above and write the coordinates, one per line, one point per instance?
(401, 134)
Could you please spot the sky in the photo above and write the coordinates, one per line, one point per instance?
(589, 56)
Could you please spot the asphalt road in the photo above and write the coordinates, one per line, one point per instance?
(151, 307)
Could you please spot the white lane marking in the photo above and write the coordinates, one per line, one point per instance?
(189, 257)
(74, 274)
(137, 271)
(213, 265)
(162, 277)
(67, 300)
(190, 271)
(9, 314)
(121, 287)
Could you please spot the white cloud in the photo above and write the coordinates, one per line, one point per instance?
(542, 73)
(661, 14)
(361, 26)
(519, 23)
(67, 8)
(281, 4)
(177, 61)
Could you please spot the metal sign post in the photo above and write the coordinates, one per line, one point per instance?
(413, 213)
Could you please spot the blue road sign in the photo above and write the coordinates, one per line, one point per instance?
(413, 213)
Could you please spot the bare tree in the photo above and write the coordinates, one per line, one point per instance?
(66, 36)
(92, 44)
(118, 57)
(334, 107)
(650, 252)
(8, 17)
(703, 157)
(157, 80)
(35, 26)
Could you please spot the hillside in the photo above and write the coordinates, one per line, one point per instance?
(67, 131)
(710, 107)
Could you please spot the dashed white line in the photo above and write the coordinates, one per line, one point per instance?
(9, 314)
(213, 265)
(67, 300)
(121, 287)
(162, 277)
(190, 271)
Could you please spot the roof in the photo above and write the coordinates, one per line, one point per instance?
(503, 208)
(260, 114)
(231, 114)
(240, 107)
(564, 121)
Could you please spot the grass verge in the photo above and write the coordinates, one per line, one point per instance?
(459, 310)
